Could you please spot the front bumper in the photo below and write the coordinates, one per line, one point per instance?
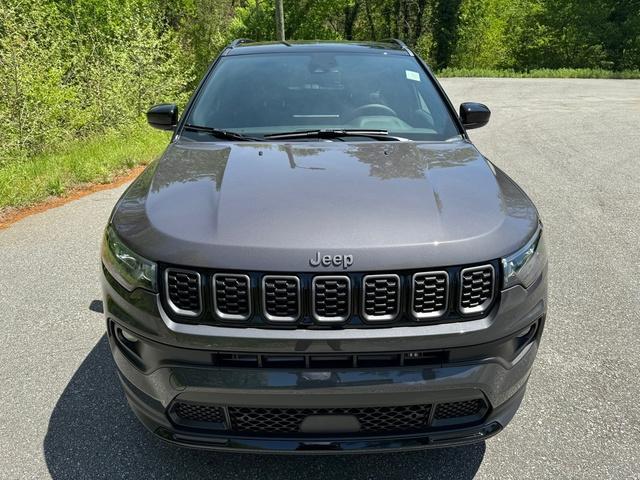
(172, 366)
(151, 416)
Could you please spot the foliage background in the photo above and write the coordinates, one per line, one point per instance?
(73, 70)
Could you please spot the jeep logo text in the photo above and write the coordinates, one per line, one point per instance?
(344, 261)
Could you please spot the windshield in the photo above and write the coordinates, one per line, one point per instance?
(265, 94)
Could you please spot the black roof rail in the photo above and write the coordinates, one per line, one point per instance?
(239, 41)
(400, 43)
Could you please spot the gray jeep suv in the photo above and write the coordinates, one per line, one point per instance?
(321, 261)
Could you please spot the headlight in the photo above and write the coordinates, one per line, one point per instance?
(127, 267)
(524, 266)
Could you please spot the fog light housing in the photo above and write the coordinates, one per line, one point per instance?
(128, 337)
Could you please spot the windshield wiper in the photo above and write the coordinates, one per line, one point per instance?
(219, 133)
(334, 133)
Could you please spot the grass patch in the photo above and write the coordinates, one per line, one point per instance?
(540, 73)
(96, 160)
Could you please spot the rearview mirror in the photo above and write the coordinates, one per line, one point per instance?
(474, 115)
(163, 116)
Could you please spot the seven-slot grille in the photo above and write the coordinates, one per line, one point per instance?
(232, 296)
(476, 289)
(380, 297)
(331, 298)
(281, 298)
(183, 290)
(430, 293)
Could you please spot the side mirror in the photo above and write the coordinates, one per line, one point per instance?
(474, 115)
(163, 116)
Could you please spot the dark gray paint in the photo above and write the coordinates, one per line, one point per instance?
(270, 207)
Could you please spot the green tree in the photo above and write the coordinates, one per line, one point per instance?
(482, 35)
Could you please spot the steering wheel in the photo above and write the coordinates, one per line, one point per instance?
(373, 109)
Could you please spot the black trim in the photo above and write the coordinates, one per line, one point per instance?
(321, 445)
(278, 422)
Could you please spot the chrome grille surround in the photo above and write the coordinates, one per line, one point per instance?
(272, 299)
(320, 306)
(171, 283)
(238, 295)
(404, 299)
(429, 300)
(477, 289)
(373, 297)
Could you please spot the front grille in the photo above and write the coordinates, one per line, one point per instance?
(476, 289)
(460, 409)
(331, 298)
(380, 297)
(281, 298)
(289, 420)
(430, 293)
(183, 291)
(232, 296)
(344, 300)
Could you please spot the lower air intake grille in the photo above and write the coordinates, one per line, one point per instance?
(430, 292)
(183, 291)
(460, 409)
(194, 412)
(281, 298)
(232, 296)
(289, 420)
(476, 289)
(380, 297)
(331, 298)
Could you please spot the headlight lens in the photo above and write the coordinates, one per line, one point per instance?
(524, 266)
(127, 267)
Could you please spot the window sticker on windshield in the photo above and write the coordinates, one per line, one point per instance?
(411, 75)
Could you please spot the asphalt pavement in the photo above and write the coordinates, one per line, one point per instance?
(573, 145)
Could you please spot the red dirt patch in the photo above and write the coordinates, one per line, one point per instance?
(10, 215)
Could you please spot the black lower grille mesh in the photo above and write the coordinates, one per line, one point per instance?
(183, 291)
(459, 409)
(195, 412)
(288, 420)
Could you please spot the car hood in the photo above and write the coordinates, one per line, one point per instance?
(271, 207)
